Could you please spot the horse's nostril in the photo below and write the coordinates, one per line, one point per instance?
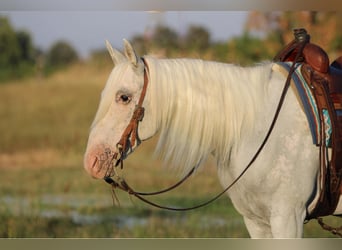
(94, 162)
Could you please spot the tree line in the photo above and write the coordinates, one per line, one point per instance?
(164, 41)
(197, 42)
(19, 57)
(265, 33)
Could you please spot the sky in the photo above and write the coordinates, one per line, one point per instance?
(88, 30)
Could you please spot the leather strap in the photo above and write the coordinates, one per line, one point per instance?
(130, 135)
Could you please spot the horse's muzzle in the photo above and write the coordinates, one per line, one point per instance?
(100, 162)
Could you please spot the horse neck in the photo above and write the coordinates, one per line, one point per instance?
(203, 107)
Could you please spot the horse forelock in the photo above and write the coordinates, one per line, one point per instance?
(203, 107)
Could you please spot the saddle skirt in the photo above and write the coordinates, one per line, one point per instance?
(306, 100)
(320, 122)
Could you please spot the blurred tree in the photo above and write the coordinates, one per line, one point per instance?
(165, 37)
(9, 48)
(336, 43)
(197, 38)
(16, 51)
(220, 51)
(248, 49)
(277, 27)
(60, 55)
(26, 48)
(140, 44)
(265, 34)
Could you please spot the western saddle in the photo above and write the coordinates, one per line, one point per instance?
(325, 82)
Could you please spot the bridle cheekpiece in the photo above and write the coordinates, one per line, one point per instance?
(130, 135)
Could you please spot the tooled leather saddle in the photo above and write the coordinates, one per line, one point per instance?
(325, 82)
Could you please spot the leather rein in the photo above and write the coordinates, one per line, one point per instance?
(130, 137)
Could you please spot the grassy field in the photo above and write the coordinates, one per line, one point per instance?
(45, 192)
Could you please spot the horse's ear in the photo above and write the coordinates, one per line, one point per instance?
(131, 54)
(116, 56)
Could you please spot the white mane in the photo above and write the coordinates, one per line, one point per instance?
(203, 107)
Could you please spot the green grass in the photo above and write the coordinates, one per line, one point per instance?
(38, 192)
(46, 193)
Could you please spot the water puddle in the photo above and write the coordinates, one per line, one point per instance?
(70, 207)
(51, 206)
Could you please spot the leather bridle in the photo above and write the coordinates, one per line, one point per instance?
(130, 136)
(128, 139)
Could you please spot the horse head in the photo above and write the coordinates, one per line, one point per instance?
(118, 103)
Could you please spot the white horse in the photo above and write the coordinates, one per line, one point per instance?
(204, 108)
